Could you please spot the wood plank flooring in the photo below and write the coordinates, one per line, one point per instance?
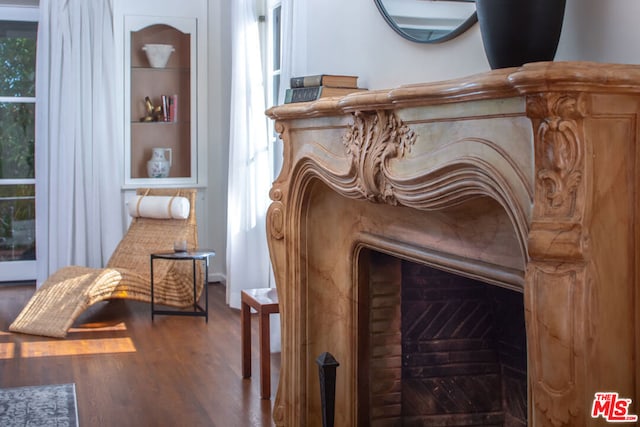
(177, 371)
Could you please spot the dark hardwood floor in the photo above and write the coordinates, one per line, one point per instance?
(176, 371)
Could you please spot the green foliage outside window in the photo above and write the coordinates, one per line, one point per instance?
(17, 138)
(17, 79)
(17, 59)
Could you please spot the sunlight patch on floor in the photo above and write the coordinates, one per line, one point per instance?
(99, 327)
(76, 347)
(7, 350)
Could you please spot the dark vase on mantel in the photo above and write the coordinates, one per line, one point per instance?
(515, 32)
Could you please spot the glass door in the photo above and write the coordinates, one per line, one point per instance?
(18, 29)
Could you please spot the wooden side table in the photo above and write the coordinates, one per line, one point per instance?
(193, 256)
(265, 302)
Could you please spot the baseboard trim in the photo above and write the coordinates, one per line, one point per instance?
(217, 277)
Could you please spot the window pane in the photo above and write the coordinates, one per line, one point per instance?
(18, 58)
(276, 37)
(17, 222)
(17, 133)
(275, 84)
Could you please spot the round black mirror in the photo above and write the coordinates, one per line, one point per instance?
(428, 21)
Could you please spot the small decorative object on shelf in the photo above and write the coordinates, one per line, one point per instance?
(153, 113)
(180, 245)
(158, 166)
(158, 54)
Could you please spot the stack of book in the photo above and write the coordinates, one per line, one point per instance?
(169, 108)
(310, 88)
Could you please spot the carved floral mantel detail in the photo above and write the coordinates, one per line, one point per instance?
(371, 141)
(531, 183)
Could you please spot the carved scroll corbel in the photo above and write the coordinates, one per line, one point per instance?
(560, 186)
(275, 215)
(372, 140)
(559, 152)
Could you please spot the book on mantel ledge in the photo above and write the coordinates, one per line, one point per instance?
(330, 80)
(305, 94)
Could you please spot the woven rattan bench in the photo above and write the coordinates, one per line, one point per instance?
(71, 290)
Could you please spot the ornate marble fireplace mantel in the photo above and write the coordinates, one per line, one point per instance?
(523, 178)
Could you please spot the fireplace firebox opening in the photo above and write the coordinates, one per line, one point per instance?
(441, 349)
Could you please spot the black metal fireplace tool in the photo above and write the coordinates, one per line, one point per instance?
(327, 366)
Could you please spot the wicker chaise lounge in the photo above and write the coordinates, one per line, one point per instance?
(71, 290)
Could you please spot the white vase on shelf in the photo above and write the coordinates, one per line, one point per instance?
(158, 54)
(158, 166)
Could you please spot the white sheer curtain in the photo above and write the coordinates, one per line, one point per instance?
(249, 166)
(77, 134)
(293, 43)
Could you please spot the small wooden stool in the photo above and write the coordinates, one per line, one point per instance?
(265, 302)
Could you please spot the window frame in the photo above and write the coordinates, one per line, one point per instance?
(272, 74)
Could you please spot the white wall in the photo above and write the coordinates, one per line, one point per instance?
(219, 100)
(601, 31)
(358, 41)
(351, 37)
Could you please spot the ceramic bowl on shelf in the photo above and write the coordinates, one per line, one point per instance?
(158, 54)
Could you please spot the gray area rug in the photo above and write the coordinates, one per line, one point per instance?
(49, 405)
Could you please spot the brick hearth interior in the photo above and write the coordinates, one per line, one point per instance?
(442, 349)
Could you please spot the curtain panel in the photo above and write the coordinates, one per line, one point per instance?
(250, 165)
(77, 129)
(249, 168)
